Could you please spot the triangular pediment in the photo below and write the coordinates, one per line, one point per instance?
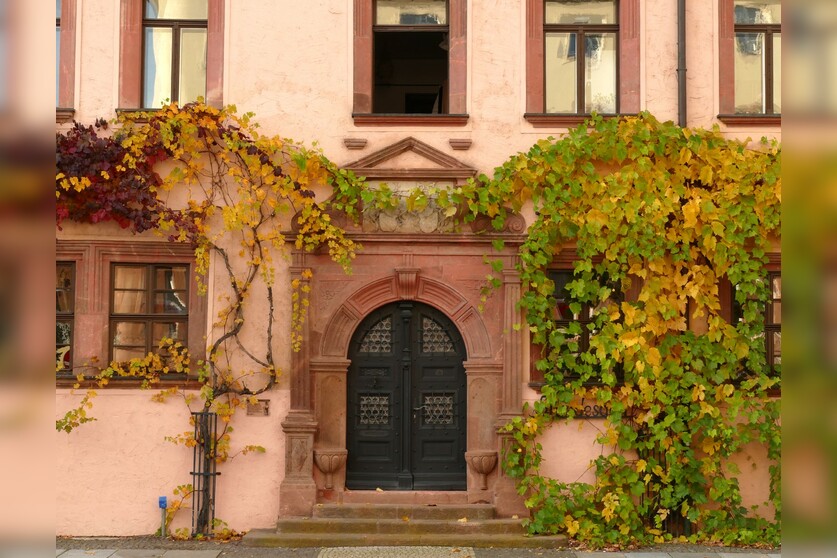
(410, 159)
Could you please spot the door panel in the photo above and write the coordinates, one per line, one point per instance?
(406, 401)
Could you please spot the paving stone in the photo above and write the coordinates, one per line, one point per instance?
(646, 555)
(702, 554)
(59, 551)
(396, 552)
(7, 551)
(78, 553)
(600, 554)
(754, 554)
(139, 553)
(191, 554)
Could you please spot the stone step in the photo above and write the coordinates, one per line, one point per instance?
(373, 526)
(401, 511)
(270, 538)
(414, 497)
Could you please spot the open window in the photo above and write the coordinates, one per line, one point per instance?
(411, 47)
(409, 62)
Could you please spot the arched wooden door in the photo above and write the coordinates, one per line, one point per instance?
(406, 408)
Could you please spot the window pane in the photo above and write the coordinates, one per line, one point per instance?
(574, 12)
(129, 302)
(192, 65)
(777, 348)
(129, 277)
(411, 12)
(176, 9)
(561, 70)
(57, 9)
(170, 303)
(158, 63)
(749, 73)
(127, 353)
(777, 73)
(129, 333)
(172, 330)
(64, 338)
(170, 278)
(600, 70)
(63, 333)
(758, 11)
(777, 301)
(64, 288)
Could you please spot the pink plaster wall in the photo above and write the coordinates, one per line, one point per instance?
(113, 470)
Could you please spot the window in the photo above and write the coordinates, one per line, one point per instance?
(564, 317)
(581, 56)
(148, 303)
(116, 299)
(170, 49)
(758, 52)
(580, 48)
(57, 53)
(411, 57)
(750, 61)
(409, 62)
(65, 47)
(174, 51)
(64, 310)
(772, 321)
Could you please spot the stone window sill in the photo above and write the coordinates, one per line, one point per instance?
(549, 120)
(64, 115)
(410, 119)
(69, 382)
(751, 119)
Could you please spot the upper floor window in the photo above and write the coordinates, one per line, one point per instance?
(148, 303)
(758, 56)
(65, 54)
(750, 62)
(57, 53)
(409, 61)
(170, 50)
(174, 51)
(580, 54)
(411, 57)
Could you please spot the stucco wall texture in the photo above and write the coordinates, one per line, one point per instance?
(290, 62)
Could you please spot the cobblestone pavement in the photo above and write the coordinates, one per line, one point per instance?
(151, 547)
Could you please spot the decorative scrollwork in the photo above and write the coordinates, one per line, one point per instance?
(379, 338)
(374, 409)
(434, 339)
(438, 408)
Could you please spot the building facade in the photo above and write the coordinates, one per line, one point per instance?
(405, 92)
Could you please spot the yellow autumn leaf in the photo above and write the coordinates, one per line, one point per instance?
(690, 211)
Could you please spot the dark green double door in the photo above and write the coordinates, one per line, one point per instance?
(406, 408)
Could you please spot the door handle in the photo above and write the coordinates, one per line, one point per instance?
(419, 408)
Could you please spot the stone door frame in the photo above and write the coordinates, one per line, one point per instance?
(315, 427)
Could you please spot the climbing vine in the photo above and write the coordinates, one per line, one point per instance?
(658, 216)
(208, 178)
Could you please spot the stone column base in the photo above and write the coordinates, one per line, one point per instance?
(297, 498)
